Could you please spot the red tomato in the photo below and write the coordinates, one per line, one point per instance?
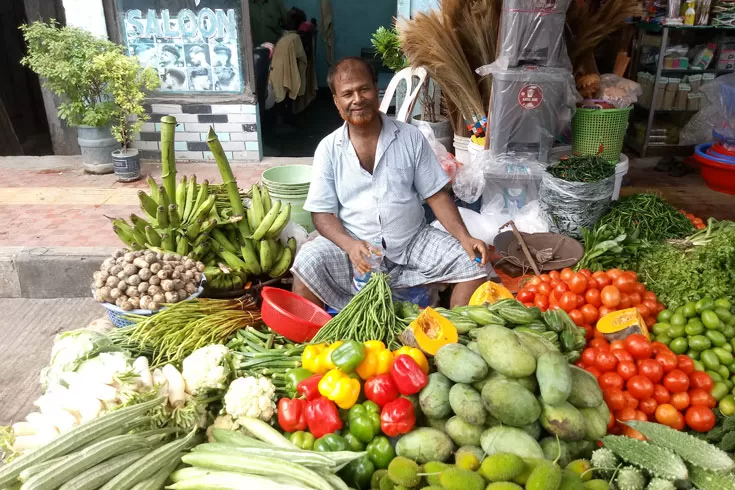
(680, 401)
(568, 301)
(648, 406)
(624, 301)
(700, 379)
(560, 289)
(611, 422)
(610, 380)
(577, 317)
(626, 370)
(652, 307)
(601, 279)
(698, 396)
(626, 413)
(594, 372)
(642, 309)
(600, 343)
(535, 281)
(657, 347)
(632, 274)
(625, 283)
(640, 387)
(614, 398)
(651, 370)
(638, 346)
(554, 283)
(577, 283)
(635, 298)
(543, 288)
(525, 296)
(700, 418)
(618, 345)
(592, 297)
(605, 361)
(632, 433)
(630, 400)
(676, 381)
(686, 364)
(614, 273)
(650, 321)
(661, 394)
(587, 332)
(590, 314)
(667, 414)
(580, 300)
(610, 296)
(640, 289)
(541, 301)
(623, 355)
(650, 296)
(586, 272)
(604, 310)
(555, 275)
(544, 278)
(589, 355)
(566, 273)
(667, 359)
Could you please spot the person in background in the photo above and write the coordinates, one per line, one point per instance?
(368, 182)
(266, 20)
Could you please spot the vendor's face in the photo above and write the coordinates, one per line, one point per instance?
(356, 95)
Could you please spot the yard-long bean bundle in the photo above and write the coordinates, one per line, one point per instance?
(369, 316)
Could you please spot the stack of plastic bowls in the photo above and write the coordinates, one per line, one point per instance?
(290, 184)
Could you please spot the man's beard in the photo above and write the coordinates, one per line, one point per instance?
(361, 119)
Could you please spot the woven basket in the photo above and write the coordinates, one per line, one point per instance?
(595, 129)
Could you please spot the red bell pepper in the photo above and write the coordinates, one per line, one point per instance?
(292, 414)
(381, 389)
(309, 387)
(397, 417)
(408, 375)
(322, 416)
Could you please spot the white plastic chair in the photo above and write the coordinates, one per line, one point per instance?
(412, 91)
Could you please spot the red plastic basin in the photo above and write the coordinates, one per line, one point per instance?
(290, 315)
(718, 176)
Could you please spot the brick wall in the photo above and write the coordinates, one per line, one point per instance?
(236, 126)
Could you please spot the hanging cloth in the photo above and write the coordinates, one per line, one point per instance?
(326, 28)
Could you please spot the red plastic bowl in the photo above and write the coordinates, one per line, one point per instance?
(718, 176)
(290, 315)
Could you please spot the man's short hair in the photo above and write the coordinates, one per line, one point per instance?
(142, 47)
(220, 48)
(171, 49)
(199, 72)
(339, 66)
(176, 74)
(196, 49)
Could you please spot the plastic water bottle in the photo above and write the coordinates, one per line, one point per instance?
(374, 260)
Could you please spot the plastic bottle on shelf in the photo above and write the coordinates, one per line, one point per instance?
(690, 14)
(374, 261)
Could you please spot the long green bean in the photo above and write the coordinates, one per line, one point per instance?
(649, 216)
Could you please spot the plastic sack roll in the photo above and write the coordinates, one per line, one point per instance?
(571, 206)
(532, 32)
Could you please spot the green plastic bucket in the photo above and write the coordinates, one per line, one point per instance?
(298, 214)
(600, 129)
(290, 184)
(288, 175)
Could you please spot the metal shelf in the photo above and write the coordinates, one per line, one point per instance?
(648, 27)
(685, 71)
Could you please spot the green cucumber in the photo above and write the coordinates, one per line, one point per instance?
(98, 475)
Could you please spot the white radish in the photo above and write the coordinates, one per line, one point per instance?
(142, 369)
(27, 443)
(24, 429)
(45, 429)
(176, 386)
(87, 406)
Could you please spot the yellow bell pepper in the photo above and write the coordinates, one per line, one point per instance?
(378, 360)
(340, 388)
(414, 354)
(325, 358)
(311, 358)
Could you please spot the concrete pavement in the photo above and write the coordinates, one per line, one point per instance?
(27, 330)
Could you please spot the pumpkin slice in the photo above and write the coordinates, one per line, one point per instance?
(431, 331)
(489, 293)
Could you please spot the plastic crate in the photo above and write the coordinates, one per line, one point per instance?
(600, 132)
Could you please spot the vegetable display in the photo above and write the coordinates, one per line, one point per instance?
(649, 215)
(643, 380)
(587, 168)
(145, 279)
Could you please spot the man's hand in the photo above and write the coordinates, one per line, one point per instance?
(359, 251)
(473, 247)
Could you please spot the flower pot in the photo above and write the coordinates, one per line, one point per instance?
(97, 145)
(442, 130)
(127, 164)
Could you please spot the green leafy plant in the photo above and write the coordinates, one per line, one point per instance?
(63, 56)
(388, 47)
(126, 83)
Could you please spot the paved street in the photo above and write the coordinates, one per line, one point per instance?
(27, 329)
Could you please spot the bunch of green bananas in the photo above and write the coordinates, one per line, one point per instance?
(179, 223)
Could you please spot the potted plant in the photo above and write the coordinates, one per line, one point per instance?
(62, 57)
(127, 83)
(388, 46)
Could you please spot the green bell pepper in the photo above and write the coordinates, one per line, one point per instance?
(348, 356)
(330, 443)
(353, 443)
(358, 473)
(295, 376)
(380, 452)
(364, 421)
(302, 439)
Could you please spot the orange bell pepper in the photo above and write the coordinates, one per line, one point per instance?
(378, 360)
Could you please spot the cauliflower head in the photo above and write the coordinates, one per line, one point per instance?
(207, 369)
(251, 397)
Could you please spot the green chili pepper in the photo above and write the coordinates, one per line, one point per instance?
(302, 439)
(380, 452)
(364, 421)
(330, 443)
(348, 356)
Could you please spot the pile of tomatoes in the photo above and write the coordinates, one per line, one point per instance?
(697, 222)
(644, 380)
(588, 296)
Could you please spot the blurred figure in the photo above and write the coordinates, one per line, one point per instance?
(266, 20)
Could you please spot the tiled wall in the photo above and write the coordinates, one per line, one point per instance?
(236, 126)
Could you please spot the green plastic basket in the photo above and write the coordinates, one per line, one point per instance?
(595, 129)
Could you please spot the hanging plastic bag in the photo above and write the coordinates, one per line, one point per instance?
(448, 162)
(515, 178)
(619, 91)
(470, 181)
(718, 115)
